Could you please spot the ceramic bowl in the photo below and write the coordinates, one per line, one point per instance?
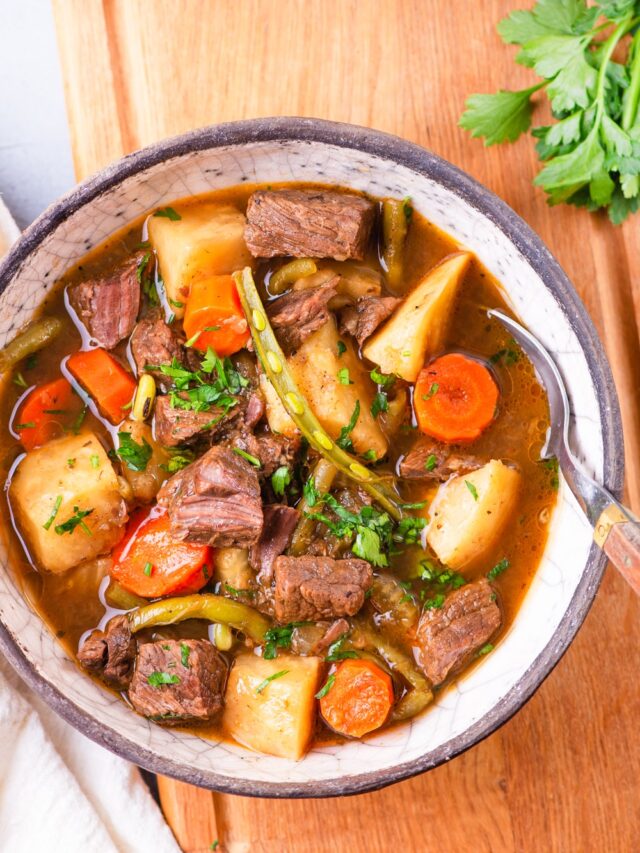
(289, 149)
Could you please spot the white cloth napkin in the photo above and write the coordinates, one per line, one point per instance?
(59, 791)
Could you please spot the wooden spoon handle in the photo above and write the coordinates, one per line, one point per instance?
(622, 547)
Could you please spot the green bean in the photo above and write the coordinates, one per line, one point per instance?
(323, 474)
(420, 694)
(34, 337)
(275, 366)
(120, 598)
(283, 278)
(394, 235)
(213, 608)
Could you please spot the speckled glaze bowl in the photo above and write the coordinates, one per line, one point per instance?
(290, 149)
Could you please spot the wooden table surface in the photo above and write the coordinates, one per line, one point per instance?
(563, 774)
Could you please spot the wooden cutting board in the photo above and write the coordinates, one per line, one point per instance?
(563, 774)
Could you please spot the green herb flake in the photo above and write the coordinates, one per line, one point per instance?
(370, 455)
(20, 381)
(214, 844)
(77, 424)
(175, 303)
(157, 679)
(185, 651)
(431, 462)
(472, 489)
(326, 687)
(380, 404)
(488, 647)
(233, 591)
(498, 569)
(435, 387)
(269, 679)
(335, 652)
(342, 348)
(279, 637)
(54, 512)
(252, 459)
(168, 213)
(148, 569)
(434, 603)
(343, 376)
(280, 479)
(136, 456)
(76, 520)
(383, 379)
(26, 425)
(71, 462)
(192, 340)
(344, 441)
(95, 460)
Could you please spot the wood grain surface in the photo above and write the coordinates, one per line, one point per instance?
(563, 774)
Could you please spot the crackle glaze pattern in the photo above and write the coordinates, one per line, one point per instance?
(562, 589)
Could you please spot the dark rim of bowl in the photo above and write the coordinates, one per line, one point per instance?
(399, 151)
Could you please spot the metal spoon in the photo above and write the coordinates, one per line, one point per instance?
(616, 528)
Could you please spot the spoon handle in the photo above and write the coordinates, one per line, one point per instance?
(619, 538)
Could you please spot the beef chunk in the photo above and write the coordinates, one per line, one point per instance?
(110, 653)
(299, 313)
(178, 680)
(215, 500)
(174, 425)
(154, 342)
(273, 451)
(108, 306)
(308, 224)
(430, 460)
(447, 636)
(255, 410)
(311, 588)
(279, 523)
(362, 319)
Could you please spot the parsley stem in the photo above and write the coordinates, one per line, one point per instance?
(607, 51)
(632, 94)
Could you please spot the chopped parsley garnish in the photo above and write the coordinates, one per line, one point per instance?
(370, 455)
(77, 424)
(168, 213)
(193, 339)
(19, 380)
(179, 458)
(553, 467)
(269, 679)
(26, 425)
(279, 637)
(252, 459)
(434, 603)
(233, 591)
(506, 356)
(335, 652)
(326, 687)
(498, 569)
(407, 208)
(174, 303)
(135, 455)
(148, 569)
(488, 647)
(341, 348)
(383, 379)
(435, 387)
(71, 462)
(185, 651)
(280, 479)
(431, 462)
(380, 404)
(95, 460)
(472, 489)
(214, 844)
(55, 411)
(76, 520)
(197, 392)
(157, 679)
(54, 512)
(344, 441)
(343, 376)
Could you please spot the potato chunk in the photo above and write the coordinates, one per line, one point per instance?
(418, 327)
(77, 470)
(470, 512)
(207, 240)
(279, 719)
(145, 484)
(318, 369)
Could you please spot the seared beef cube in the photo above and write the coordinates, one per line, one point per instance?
(315, 638)
(279, 523)
(175, 425)
(108, 307)
(272, 451)
(308, 224)
(153, 342)
(448, 636)
(178, 681)
(299, 313)
(110, 654)
(430, 460)
(215, 500)
(312, 588)
(362, 319)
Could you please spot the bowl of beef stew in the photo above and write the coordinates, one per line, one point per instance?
(275, 519)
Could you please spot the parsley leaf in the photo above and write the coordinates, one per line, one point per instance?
(343, 439)
(279, 637)
(253, 460)
(157, 679)
(380, 404)
(472, 489)
(335, 652)
(76, 520)
(342, 348)
(168, 213)
(54, 512)
(498, 569)
(326, 687)
(185, 651)
(269, 679)
(502, 117)
(343, 376)
(280, 479)
(135, 455)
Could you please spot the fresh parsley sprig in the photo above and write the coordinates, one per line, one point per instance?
(591, 152)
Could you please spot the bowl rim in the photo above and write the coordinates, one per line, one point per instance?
(485, 203)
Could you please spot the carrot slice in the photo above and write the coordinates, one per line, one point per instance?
(455, 398)
(46, 412)
(150, 562)
(359, 700)
(215, 316)
(105, 379)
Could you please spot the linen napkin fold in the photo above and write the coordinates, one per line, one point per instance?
(59, 791)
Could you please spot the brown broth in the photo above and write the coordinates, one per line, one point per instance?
(69, 602)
